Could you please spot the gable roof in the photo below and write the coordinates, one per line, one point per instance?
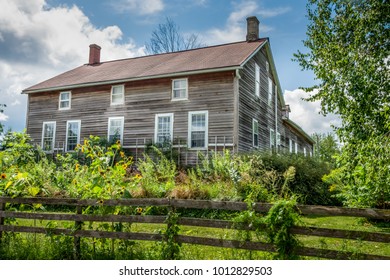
(202, 60)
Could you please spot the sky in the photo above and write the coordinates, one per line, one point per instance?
(40, 39)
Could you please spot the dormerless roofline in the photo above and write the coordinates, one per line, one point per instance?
(168, 75)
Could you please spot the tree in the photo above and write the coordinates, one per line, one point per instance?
(349, 53)
(167, 38)
(1, 111)
(326, 147)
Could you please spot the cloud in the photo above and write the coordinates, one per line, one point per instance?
(307, 114)
(235, 27)
(142, 7)
(38, 42)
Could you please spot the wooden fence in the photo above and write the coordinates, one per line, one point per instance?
(78, 218)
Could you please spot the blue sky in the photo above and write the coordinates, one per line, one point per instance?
(42, 38)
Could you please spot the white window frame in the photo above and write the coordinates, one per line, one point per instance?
(290, 144)
(122, 119)
(205, 129)
(60, 100)
(255, 133)
(180, 88)
(171, 115)
(122, 100)
(53, 138)
(296, 147)
(67, 133)
(304, 151)
(272, 139)
(270, 86)
(257, 80)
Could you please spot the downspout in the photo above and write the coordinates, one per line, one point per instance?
(236, 109)
(276, 118)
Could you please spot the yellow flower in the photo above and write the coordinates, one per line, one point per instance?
(139, 210)
(137, 176)
(118, 142)
(122, 154)
(77, 167)
(3, 176)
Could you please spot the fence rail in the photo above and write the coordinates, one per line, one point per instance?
(78, 218)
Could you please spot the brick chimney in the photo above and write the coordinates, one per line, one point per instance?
(252, 27)
(94, 54)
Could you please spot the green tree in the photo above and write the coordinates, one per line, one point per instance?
(349, 53)
(326, 147)
(1, 111)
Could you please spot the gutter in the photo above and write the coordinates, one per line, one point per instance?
(109, 82)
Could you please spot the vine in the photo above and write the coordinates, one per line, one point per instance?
(171, 248)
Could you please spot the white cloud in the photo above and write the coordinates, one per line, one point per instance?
(235, 28)
(307, 114)
(142, 7)
(39, 42)
(3, 117)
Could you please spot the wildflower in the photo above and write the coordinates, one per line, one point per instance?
(100, 201)
(122, 154)
(3, 176)
(137, 176)
(139, 210)
(77, 167)
(118, 142)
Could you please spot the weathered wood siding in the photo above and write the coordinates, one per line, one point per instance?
(143, 100)
(254, 107)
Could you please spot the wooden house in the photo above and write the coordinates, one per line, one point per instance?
(211, 98)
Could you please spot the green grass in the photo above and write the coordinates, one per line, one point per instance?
(38, 246)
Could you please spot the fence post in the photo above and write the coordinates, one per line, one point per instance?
(2, 208)
(76, 241)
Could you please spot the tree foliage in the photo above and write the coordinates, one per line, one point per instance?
(1, 111)
(167, 38)
(326, 147)
(349, 53)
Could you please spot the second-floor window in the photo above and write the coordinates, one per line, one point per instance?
(65, 99)
(257, 80)
(270, 86)
(180, 89)
(117, 95)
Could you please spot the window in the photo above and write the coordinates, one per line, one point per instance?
(163, 128)
(272, 139)
(270, 91)
(278, 139)
(267, 66)
(257, 77)
(117, 95)
(255, 132)
(65, 98)
(304, 151)
(115, 129)
(198, 130)
(48, 136)
(72, 134)
(290, 144)
(293, 146)
(180, 89)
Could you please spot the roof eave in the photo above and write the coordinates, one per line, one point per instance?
(168, 75)
(299, 130)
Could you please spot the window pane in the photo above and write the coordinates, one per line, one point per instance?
(179, 93)
(48, 137)
(198, 139)
(179, 89)
(65, 96)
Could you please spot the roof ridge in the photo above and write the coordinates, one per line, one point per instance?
(181, 51)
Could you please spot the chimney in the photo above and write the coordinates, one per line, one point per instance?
(252, 33)
(94, 54)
